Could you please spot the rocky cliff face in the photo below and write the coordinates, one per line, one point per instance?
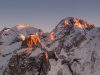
(75, 51)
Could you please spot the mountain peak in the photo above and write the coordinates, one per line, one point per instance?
(77, 22)
(21, 26)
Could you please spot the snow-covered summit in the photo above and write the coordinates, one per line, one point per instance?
(20, 26)
(74, 21)
(25, 28)
(72, 24)
(8, 35)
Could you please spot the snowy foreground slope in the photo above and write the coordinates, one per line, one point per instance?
(78, 51)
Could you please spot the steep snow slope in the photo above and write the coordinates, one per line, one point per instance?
(76, 47)
(81, 55)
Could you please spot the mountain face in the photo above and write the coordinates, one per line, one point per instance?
(78, 48)
(8, 35)
(74, 50)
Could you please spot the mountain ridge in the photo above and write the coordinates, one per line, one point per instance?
(76, 49)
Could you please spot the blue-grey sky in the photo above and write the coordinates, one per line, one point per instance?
(46, 14)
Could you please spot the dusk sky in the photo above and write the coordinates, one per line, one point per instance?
(46, 14)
